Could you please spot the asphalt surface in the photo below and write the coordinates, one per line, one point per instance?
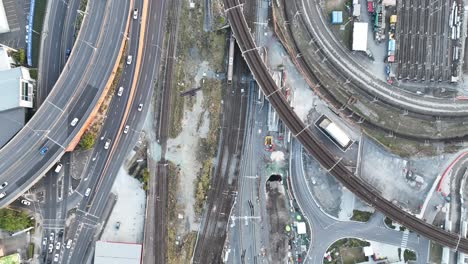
(337, 56)
(299, 130)
(325, 230)
(104, 165)
(74, 96)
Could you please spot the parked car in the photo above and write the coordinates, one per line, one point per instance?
(3, 194)
(117, 225)
(3, 185)
(58, 168)
(25, 202)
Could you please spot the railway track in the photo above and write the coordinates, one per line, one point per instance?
(359, 187)
(213, 230)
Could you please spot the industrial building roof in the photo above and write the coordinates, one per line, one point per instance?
(12, 121)
(360, 31)
(115, 252)
(10, 88)
(3, 19)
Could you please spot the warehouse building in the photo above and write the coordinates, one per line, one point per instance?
(360, 36)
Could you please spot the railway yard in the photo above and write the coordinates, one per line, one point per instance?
(428, 43)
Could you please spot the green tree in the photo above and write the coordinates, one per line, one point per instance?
(11, 220)
(87, 141)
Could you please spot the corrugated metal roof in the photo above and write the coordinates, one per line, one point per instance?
(117, 253)
(360, 36)
(10, 88)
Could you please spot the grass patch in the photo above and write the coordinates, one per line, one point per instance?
(202, 185)
(12, 220)
(361, 216)
(349, 251)
(345, 35)
(10, 259)
(31, 250)
(38, 22)
(193, 42)
(435, 253)
(409, 255)
(33, 73)
(389, 223)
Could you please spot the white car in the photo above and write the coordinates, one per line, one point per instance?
(74, 121)
(51, 238)
(56, 257)
(44, 241)
(3, 194)
(129, 59)
(140, 107)
(58, 168)
(88, 191)
(107, 145)
(51, 248)
(3, 185)
(126, 129)
(25, 202)
(57, 246)
(135, 13)
(120, 92)
(69, 243)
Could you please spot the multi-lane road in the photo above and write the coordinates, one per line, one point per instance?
(103, 167)
(75, 95)
(299, 130)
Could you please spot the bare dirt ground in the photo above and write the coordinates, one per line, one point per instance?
(278, 219)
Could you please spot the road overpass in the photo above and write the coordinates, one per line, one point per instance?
(362, 189)
(75, 95)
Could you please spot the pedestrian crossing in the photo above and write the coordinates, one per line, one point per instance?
(404, 238)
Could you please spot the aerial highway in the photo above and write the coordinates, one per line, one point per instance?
(36, 148)
(300, 131)
(339, 59)
(101, 171)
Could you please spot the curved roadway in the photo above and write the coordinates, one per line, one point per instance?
(75, 95)
(359, 187)
(338, 57)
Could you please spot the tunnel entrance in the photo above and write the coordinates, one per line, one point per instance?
(275, 177)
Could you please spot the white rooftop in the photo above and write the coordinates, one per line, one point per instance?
(3, 19)
(360, 36)
(117, 253)
(301, 228)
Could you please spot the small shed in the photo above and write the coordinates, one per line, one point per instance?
(301, 228)
(337, 17)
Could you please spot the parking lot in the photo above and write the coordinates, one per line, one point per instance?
(17, 12)
(424, 47)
